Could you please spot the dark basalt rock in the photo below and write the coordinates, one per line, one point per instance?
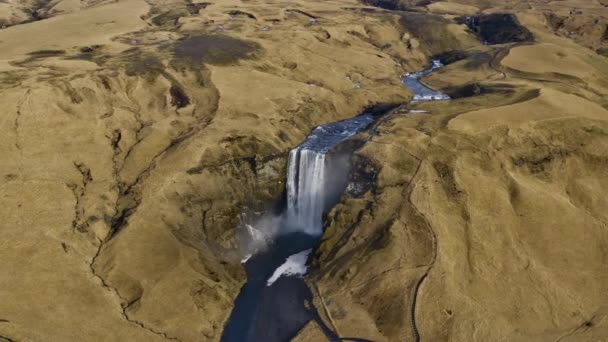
(450, 57)
(362, 177)
(498, 28)
(179, 98)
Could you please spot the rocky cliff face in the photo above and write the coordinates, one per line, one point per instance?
(133, 143)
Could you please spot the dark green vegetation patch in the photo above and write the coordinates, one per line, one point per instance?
(475, 89)
(473, 59)
(384, 4)
(88, 53)
(38, 10)
(164, 14)
(170, 17)
(40, 54)
(47, 53)
(139, 63)
(431, 30)
(397, 5)
(499, 28)
(213, 49)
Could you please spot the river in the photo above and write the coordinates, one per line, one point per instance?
(275, 302)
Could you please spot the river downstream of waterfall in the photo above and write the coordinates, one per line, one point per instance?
(275, 303)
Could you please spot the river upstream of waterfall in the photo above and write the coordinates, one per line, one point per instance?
(275, 302)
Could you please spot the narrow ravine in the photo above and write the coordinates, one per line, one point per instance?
(276, 303)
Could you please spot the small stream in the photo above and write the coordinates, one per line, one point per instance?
(275, 302)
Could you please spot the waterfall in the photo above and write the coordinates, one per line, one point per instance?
(305, 190)
(310, 190)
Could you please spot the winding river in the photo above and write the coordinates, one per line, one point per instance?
(275, 303)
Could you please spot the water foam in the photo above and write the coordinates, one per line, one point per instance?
(293, 265)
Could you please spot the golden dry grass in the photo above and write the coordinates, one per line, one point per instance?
(127, 158)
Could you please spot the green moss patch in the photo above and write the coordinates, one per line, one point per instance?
(170, 17)
(47, 53)
(213, 49)
(139, 63)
